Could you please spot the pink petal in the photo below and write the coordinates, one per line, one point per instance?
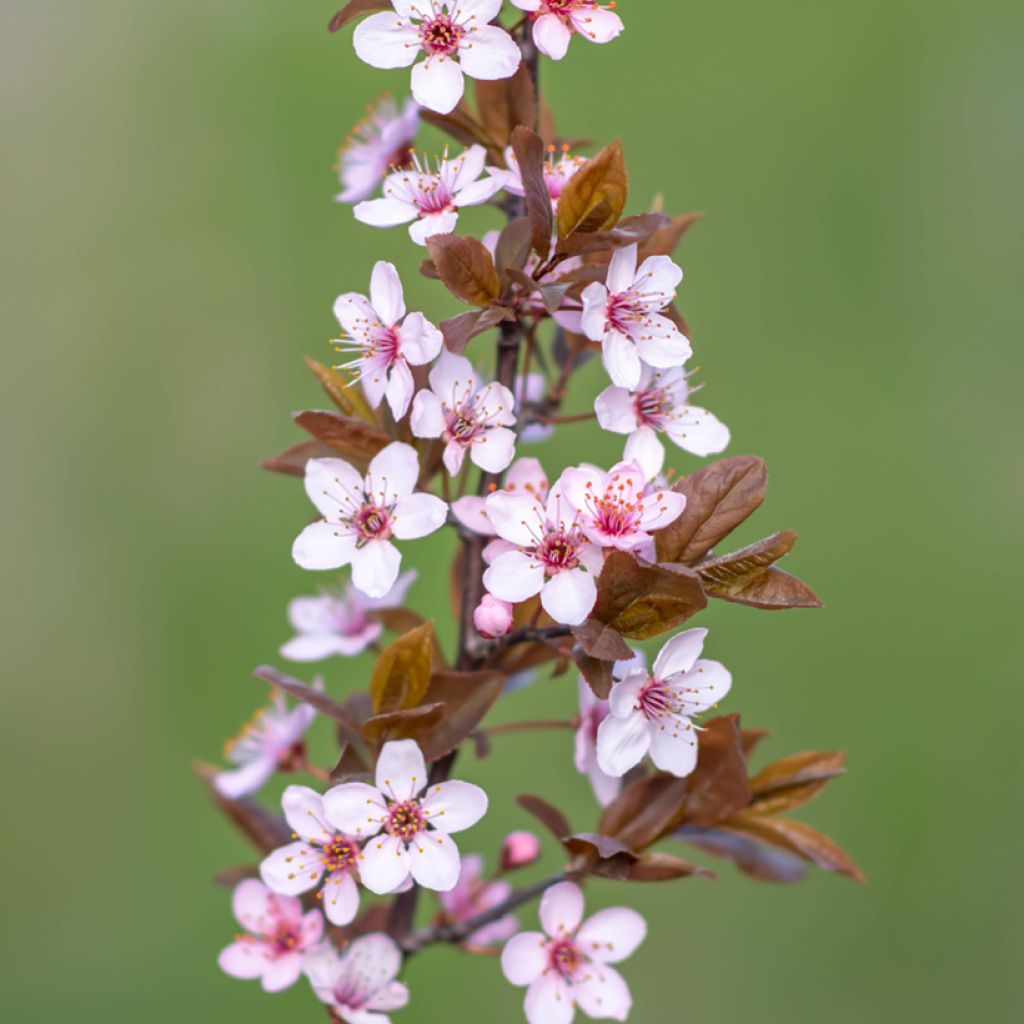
(561, 909)
(353, 312)
(323, 546)
(454, 806)
(598, 24)
(595, 311)
(421, 340)
(418, 515)
(375, 567)
(680, 653)
(489, 53)
(333, 486)
(674, 745)
(399, 389)
(292, 869)
(515, 517)
(644, 448)
(659, 275)
(437, 83)
(304, 811)
(622, 743)
(434, 860)
(625, 690)
(602, 993)
(551, 36)
(514, 577)
(549, 1001)
(393, 471)
(615, 410)
(401, 772)
(247, 779)
(453, 455)
(386, 293)
(622, 269)
(282, 972)
(427, 418)
(703, 686)
(252, 907)
(478, 192)
(384, 864)
(524, 957)
(612, 935)
(433, 224)
(386, 41)
(376, 957)
(494, 450)
(527, 476)
(471, 511)
(244, 959)
(621, 360)
(355, 809)
(384, 213)
(341, 898)
(699, 432)
(569, 596)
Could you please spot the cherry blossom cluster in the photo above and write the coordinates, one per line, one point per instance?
(575, 568)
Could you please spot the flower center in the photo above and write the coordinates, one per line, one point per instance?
(564, 957)
(385, 344)
(656, 700)
(651, 406)
(285, 940)
(441, 35)
(339, 854)
(372, 522)
(405, 819)
(559, 550)
(462, 425)
(622, 313)
(615, 514)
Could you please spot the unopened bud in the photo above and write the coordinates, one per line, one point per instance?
(519, 850)
(492, 618)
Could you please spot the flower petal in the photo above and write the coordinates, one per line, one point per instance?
(602, 993)
(355, 809)
(421, 340)
(384, 213)
(433, 224)
(680, 653)
(304, 811)
(644, 448)
(401, 772)
(427, 417)
(674, 745)
(569, 597)
(393, 471)
(251, 904)
(612, 935)
(616, 410)
(375, 567)
(333, 486)
(353, 312)
(595, 311)
(386, 293)
(699, 432)
(471, 512)
(561, 909)
(282, 972)
(621, 361)
(418, 515)
(437, 83)
(384, 864)
(622, 269)
(386, 41)
(245, 959)
(657, 279)
(494, 450)
(515, 517)
(454, 806)
(514, 577)
(489, 53)
(524, 957)
(434, 860)
(323, 546)
(292, 869)
(703, 686)
(622, 743)
(239, 782)
(376, 956)
(341, 898)
(399, 389)
(551, 36)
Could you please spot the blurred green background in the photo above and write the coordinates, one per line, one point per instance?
(170, 252)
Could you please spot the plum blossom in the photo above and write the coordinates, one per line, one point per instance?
(266, 743)
(555, 22)
(625, 315)
(322, 853)
(337, 622)
(359, 985)
(405, 833)
(618, 509)
(474, 894)
(380, 142)
(520, 850)
(382, 343)
(362, 515)
(467, 417)
(651, 712)
(276, 939)
(429, 201)
(557, 172)
(544, 551)
(524, 476)
(567, 966)
(661, 405)
(492, 618)
(593, 711)
(454, 35)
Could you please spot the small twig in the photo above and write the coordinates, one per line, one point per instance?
(575, 418)
(530, 634)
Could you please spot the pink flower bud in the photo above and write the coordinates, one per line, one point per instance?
(519, 850)
(492, 618)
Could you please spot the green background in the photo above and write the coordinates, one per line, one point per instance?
(171, 251)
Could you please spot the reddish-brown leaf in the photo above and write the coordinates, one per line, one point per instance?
(724, 572)
(264, 831)
(506, 103)
(664, 241)
(597, 673)
(466, 268)
(293, 460)
(460, 330)
(718, 786)
(467, 697)
(600, 855)
(632, 230)
(548, 815)
(343, 390)
(400, 725)
(308, 695)
(401, 673)
(718, 498)
(794, 780)
(601, 641)
(772, 590)
(663, 867)
(461, 124)
(645, 810)
(760, 861)
(595, 196)
(356, 9)
(513, 248)
(529, 149)
(347, 436)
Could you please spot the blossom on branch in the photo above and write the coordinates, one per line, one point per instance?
(524, 477)
(492, 618)
(593, 712)
(362, 515)
(455, 37)
(473, 895)
(624, 314)
(557, 172)
(520, 850)
(322, 852)
(383, 344)
(380, 142)
(359, 985)
(429, 201)
(568, 965)
(338, 622)
(555, 22)
(651, 712)
(468, 417)
(405, 834)
(276, 940)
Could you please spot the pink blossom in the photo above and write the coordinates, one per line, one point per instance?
(473, 895)
(380, 142)
(468, 417)
(429, 201)
(524, 477)
(266, 743)
(492, 618)
(555, 22)
(361, 515)
(336, 622)
(359, 985)
(557, 173)
(454, 35)
(520, 850)
(625, 315)
(567, 966)
(651, 713)
(618, 509)
(593, 712)
(405, 833)
(660, 405)
(385, 345)
(545, 552)
(322, 853)
(276, 940)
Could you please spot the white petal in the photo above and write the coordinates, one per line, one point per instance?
(515, 517)
(394, 471)
(454, 806)
(433, 224)
(514, 577)
(341, 898)
(384, 213)
(471, 512)
(616, 410)
(434, 860)
(245, 959)
(674, 745)
(612, 935)
(437, 83)
(582, 485)
(353, 312)
(239, 782)
(401, 772)
(703, 686)
(384, 864)
(453, 454)
(494, 450)
(355, 809)
(622, 269)
(333, 486)
(250, 903)
(598, 24)
(660, 344)
(399, 389)
(561, 909)
(316, 648)
(427, 417)
(527, 476)
(452, 377)
(602, 993)
(304, 811)
(477, 192)
(386, 293)
(292, 869)
(658, 276)
(282, 972)
(643, 447)
(625, 690)
(489, 53)
(622, 743)
(482, 11)
(386, 41)
(375, 954)
(679, 654)
(375, 567)
(524, 957)
(421, 340)
(569, 596)
(621, 360)
(699, 432)
(595, 311)
(418, 515)
(464, 169)
(551, 36)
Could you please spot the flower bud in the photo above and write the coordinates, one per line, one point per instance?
(519, 850)
(492, 618)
